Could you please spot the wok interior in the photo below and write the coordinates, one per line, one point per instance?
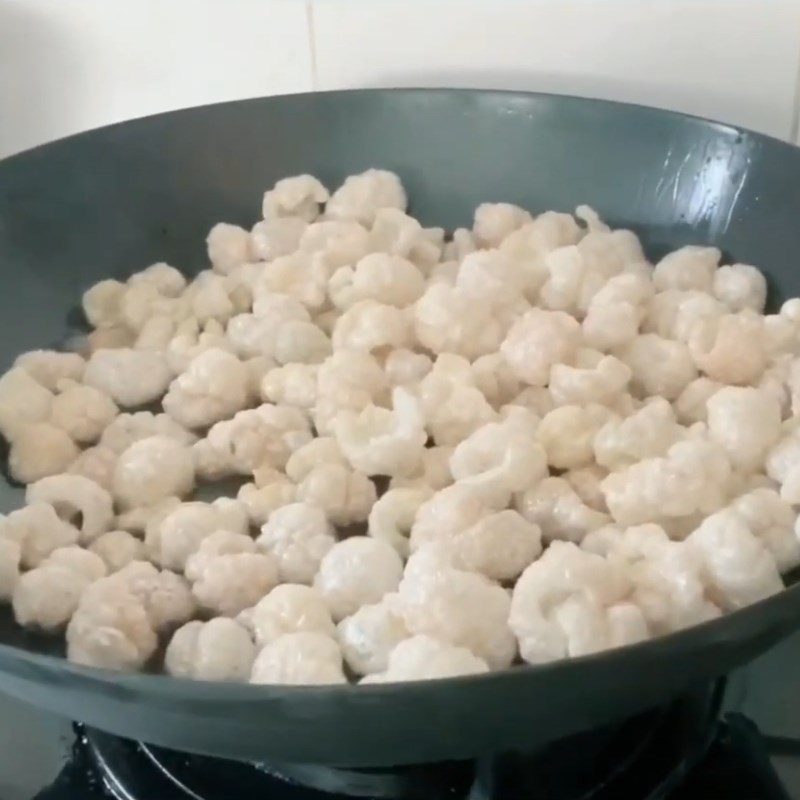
(110, 202)
(168, 198)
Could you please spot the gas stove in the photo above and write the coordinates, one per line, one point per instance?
(736, 739)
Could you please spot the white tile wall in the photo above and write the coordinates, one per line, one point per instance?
(68, 65)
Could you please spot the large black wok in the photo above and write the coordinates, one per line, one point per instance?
(113, 200)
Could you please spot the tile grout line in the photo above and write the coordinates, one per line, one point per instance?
(312, 44)
(794, 123)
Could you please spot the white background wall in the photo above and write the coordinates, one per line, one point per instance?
(68, 65)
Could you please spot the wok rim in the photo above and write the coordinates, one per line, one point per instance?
(422, 91)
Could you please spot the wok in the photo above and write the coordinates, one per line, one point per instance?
(109, 202)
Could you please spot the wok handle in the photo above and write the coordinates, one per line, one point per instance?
(737, 766)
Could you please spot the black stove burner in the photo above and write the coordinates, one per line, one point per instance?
(654, 756)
